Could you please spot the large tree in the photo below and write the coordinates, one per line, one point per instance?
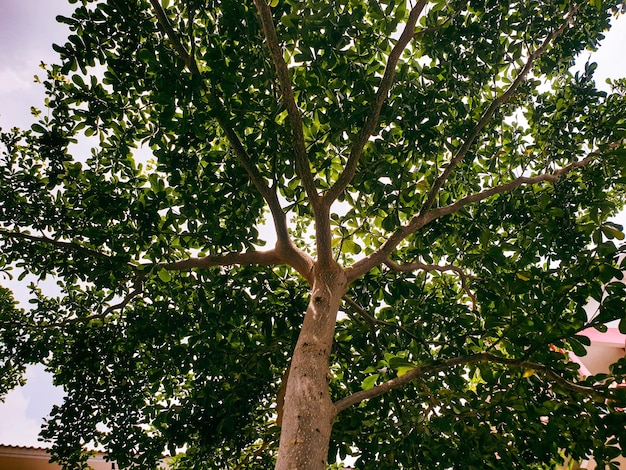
(439, 184)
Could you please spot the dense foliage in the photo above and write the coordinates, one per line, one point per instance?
(472, 176)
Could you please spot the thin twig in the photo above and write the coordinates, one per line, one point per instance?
(70, 246)
(137, 289)
(418, 266)
(269, 257)
(372, 321)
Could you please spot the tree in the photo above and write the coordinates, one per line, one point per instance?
(439, 184)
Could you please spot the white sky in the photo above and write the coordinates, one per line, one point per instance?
(27, 30)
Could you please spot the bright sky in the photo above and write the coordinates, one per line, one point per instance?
(27, 30)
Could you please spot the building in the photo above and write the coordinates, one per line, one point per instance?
(37, 458)
(605, 349)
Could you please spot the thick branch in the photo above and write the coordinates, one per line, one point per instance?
(323, 237)
(269, 257)
(510, 186)
(373, 117)
(221, 115)
(418, 266)
(293, 112)
(426, 215)
(380, 256)
(421, 371)
(321, 210)
(492, 108)
(302, 263)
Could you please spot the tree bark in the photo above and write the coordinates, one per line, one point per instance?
(308, 412)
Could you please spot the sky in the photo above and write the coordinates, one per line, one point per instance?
(27, 31)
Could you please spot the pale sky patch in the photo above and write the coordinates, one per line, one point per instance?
(12, 81)
(22, 413)
(16, 428)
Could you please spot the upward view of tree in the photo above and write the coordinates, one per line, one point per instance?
(438, 184)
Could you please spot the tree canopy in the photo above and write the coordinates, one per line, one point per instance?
(438, 183)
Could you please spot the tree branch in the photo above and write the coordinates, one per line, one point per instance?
(493, 107)
(382, 253)
(373, 117)
(264, 258)
(269, 257)
(372, 321)
(421, 371)
(426, 215)
(293, 111)
(507, 187)
(321, 208)
(166, 28)
(63, 245)
(221, 115)
(418, 266)
(137, 289)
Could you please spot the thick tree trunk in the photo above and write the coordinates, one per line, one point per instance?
(308, 412)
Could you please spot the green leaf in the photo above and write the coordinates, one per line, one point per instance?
(577, 347)
(370, 381)
(611, 232)
(350, 247)
(164, 275)
(402, 370)
(38, 128)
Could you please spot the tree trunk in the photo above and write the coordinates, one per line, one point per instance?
(308, 412)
